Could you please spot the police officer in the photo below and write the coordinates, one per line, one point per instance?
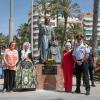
(81, 55)
(91, 62)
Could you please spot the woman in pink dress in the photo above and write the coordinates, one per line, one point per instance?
(67, 67)
(10, 61)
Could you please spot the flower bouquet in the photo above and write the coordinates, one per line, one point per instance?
(50, 62)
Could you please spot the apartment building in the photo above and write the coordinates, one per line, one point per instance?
(87, 20)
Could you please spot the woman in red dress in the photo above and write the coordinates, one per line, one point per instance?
(67, 67)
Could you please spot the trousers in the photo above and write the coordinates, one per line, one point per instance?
(79, 70)
(9, 79)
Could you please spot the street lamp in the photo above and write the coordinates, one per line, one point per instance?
(11, 21)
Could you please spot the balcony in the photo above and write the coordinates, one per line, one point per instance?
(35, 26)
(98, 24)
(36, 31)
(98, 28)
(88, 38)
(35, 43)
(35, 20)
(35, 37)
(89, 34)
(35, 49)
(35, 14)
(88, 23)
(88, 28)
(98, 33)
(88, 18)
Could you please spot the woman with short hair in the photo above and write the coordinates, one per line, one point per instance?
(67, 67)
(10, 61)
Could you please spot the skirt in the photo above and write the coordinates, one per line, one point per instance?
(25, 75)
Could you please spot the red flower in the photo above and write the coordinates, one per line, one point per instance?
(97, 68)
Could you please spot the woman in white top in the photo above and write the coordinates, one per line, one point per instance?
(25, 51)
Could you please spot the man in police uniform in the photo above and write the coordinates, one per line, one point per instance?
(91, 63)
(81, 55)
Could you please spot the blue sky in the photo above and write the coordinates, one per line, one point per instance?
(21, 9)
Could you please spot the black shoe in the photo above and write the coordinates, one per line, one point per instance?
(87, 93)
(93, 85)
(77, 91)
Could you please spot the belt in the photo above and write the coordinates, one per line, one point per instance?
(79, 60)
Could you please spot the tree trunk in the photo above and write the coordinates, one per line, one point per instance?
(44, 14)
(57, 18)
(64, 35)
(95, 22)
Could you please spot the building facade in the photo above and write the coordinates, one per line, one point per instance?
(87, 20)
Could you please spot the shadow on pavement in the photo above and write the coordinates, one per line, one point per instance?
(73, 92)
(24, 90)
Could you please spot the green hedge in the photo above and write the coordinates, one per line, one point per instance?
(97, 76)
(97, 73)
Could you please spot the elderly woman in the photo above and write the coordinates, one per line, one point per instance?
(26, 74)
(25, 51)
(67, 67)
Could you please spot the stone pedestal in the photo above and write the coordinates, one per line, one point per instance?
(49, 82)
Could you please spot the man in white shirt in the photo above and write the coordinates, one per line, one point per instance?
(81, 54)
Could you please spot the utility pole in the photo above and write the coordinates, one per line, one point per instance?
(11, 21)
(32, 29)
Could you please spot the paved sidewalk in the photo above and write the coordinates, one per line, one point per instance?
(51, 95)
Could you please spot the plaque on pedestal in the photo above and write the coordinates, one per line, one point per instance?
(49, 70)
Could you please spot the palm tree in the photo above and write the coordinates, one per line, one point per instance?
(68, 9)
(74, 29)
(4, 40)
(55, 8)
(95, 22)
(44, 5)
(58, 33)
(24, 32)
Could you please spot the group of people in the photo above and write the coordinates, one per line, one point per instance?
(76, 58)
(79, 60)
(11, 60)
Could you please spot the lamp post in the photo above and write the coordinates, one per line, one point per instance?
(11, 21)
(32, 28)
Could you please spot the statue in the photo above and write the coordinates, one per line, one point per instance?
(55, 52)
(45, 38)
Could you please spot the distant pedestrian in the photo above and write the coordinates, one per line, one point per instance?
(10, 61)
